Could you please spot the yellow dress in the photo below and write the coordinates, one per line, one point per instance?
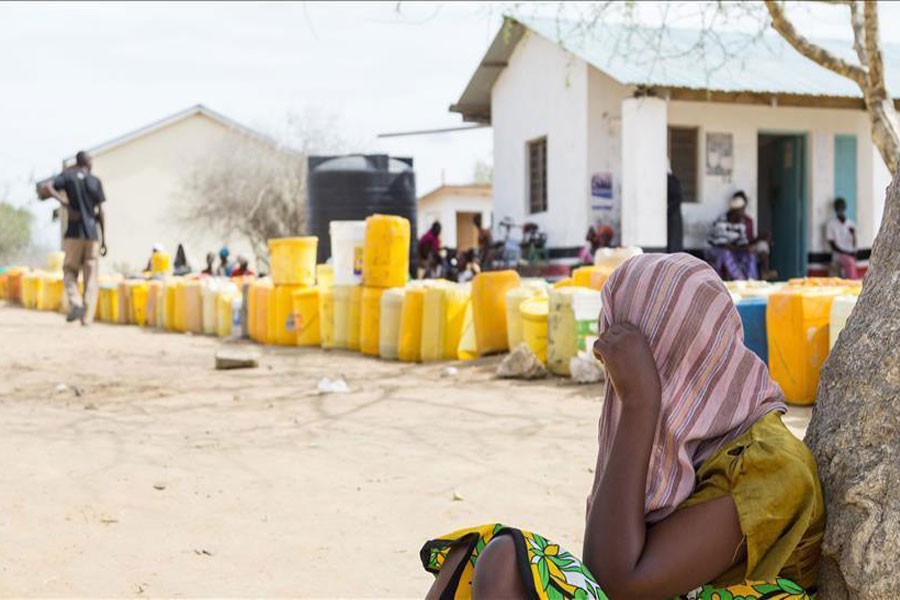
(770, 475)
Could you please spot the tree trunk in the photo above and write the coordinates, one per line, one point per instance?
(855, 432)
(885, 130)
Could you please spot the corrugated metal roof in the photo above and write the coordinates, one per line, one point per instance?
(684, 58)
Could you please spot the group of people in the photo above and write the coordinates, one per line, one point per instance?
(738, 252)
(461, 264)
(225, 267)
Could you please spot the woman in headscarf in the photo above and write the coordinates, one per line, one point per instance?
(699, 486)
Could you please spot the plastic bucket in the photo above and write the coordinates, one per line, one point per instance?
(306, 316)
(514, 299)
(353, 317)
(348, 240)
(282, 315)
(409, 343)
(326, 316)
(840, 312)
(160, 263)
(324, 276)
(293, 260)
(389, 322)
(342, 295)
(386, 252)
(534, 325)
(489, 309)
(370, 312)
(139, 293)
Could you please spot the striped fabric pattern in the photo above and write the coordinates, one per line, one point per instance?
(713, 387)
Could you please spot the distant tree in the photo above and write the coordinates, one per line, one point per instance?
(254, 188)
(483, 172)
(15, 231)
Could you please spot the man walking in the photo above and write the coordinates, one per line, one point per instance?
(85, 238)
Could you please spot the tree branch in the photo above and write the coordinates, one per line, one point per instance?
(873, 50)
(856, 21)
(813, 52)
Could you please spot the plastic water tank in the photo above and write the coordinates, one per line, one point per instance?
(353, 187)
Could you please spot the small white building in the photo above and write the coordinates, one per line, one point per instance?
(143, 173)
(454, 207)
(584, 124)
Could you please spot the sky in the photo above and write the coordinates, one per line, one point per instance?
(75, 75)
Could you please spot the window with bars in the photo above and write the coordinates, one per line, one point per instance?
(684, 150)
(537, 175)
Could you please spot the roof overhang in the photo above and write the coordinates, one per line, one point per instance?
(475, 103)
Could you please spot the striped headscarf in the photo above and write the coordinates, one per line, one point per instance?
(713, 387)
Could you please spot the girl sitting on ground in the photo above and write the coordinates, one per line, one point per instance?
(700, 490)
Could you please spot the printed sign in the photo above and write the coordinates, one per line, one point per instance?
(719, 154)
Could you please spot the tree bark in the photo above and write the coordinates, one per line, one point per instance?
(882, 114)
(855, 432)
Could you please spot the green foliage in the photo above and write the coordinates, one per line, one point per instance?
(483, 172)
(15, 231)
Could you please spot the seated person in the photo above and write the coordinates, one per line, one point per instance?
(210, 264)
(430, 251)
(599, 236)
(242, 267)
(486, 246)
(841, 235)
(729, 248)
(181, 265)
(225, 267)
(469, 266)
(698, 482)
(759, 245)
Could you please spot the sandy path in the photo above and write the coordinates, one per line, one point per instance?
(268, 489)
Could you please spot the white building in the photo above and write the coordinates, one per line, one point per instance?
(143, 173)
(583, 128)
(454, 207)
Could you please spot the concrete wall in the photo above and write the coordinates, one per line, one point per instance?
(745, 123)
(542, 92)
(605, 97)
(142, 180)
(444, 204)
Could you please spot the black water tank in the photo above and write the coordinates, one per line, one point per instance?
(353, 187)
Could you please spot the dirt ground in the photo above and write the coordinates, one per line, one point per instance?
(150, 474)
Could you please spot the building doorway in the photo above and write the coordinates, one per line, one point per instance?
(466, 233)
(782, 192)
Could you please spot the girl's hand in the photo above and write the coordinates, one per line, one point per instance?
(624, 351)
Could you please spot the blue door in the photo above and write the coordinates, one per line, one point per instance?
(845, 171)
(789, 207)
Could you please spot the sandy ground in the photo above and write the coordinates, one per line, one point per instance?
(164, 477)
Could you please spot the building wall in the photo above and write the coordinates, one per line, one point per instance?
(443, 206)
(605, 96)
(745, 123)
(142, 180)
(542, 92)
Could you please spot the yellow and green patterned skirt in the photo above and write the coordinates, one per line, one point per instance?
(549, 572)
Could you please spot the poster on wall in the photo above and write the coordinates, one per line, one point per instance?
(719, 154)
(601, 191)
